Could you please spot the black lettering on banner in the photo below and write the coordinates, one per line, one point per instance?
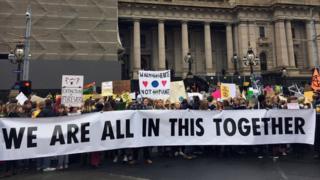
(265, 124)
(192, 127)
(85, 132)
(255, 127)
(118, 127)
(57, 136)
(144, 127)
(276, 125)
(128, 132)
(218, 123)
(233, 127)
(153, 127)
(244, 130)
(288, 125)
(173, 122)
(73, 129)
(107, 131)
(31, 137)
(299, 122)
(183, 127)
(13, 137)
(200, 127)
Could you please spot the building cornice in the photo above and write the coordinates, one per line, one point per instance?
(172, 11)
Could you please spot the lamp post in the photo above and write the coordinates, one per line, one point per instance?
(234, 60)
(27, 57)
(16, 57)
(188, 59)
(284, 75)
(250, 60)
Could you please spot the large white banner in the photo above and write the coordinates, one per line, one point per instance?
(71, 91)
(29, 138)
(154, 84)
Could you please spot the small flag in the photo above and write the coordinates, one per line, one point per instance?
(89, 88)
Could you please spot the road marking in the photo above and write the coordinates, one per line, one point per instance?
(281, 172)
(127, 177)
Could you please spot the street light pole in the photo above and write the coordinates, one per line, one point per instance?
(26, 62)
(235, 62)
(250, 60)
(16, 57)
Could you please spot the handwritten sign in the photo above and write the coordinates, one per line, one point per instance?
(154, 84)
(72, 87)
(106, 88)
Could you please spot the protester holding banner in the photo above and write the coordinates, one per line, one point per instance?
(244, 126)
(146, 150)
(45, 163)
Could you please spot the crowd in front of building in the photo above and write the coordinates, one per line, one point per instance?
(52, 107)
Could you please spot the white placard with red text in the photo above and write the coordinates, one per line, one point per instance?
(154, 84)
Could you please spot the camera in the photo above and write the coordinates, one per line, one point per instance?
(27, 14)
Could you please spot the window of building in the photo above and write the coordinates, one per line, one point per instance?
(263, 62)
(293, 33)
(143, 41)
(295, 59)
(262, 32)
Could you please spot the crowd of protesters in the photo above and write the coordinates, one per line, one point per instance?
(52, 107)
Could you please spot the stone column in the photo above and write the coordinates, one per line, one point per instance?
(185, 45)
(318, 41)
(155, 49)
(229, 47)
(243, 38)
(243, 44)
(309, 44)
(253, 37)
(236, 40)
(162, 48)
(136, 48)
(177, 51)
(290, 44)
(208, 48)
(281, 44)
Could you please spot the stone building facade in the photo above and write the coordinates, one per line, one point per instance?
(68, 37)
(158, 34)
(81, 37)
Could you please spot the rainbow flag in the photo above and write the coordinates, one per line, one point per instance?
(89, 88)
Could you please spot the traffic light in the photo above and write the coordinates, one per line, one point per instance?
(25, 87)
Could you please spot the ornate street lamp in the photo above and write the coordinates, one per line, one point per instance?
(16, 57)
(234, 60)
(188, 59)
(250, 60)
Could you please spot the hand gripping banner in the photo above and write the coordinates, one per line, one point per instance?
(23, 138)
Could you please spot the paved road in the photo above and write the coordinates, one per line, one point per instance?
(206, 168)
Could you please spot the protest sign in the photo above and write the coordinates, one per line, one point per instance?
(216, 94)
(191, 95)
(308, 95)
(154, 84)
(37, 99)
(21, 98)
(72, 89)
(293, 106)
(177, 91)
(107, 88)
(315, 83)
(121, 86)
(228, 90)
(22, 138)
